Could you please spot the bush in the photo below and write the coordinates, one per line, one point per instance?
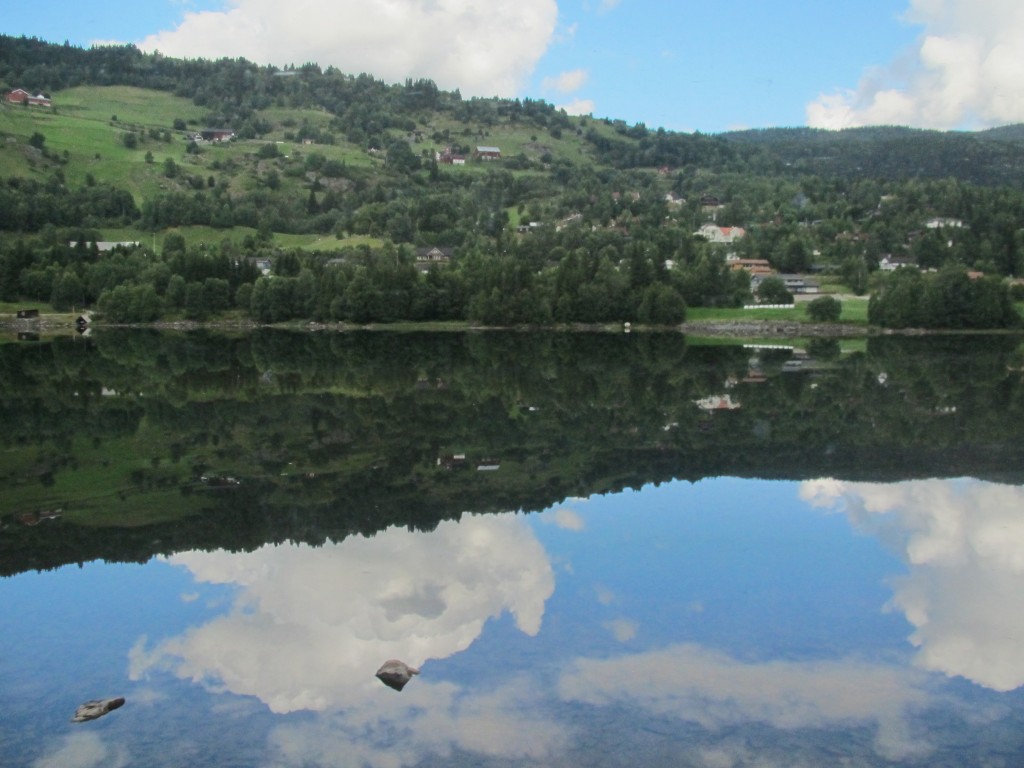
(773, 291)
(825, 309)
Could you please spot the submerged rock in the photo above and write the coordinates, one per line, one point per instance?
(96, 708)
(395, 674)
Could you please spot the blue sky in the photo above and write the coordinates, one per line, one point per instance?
(710, 66)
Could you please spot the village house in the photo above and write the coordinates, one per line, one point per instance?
(715, 234)
(488, 153)
(710, 205)
(940, 222)
(753, 266)
(262, 263)
(717, 403)
(21, 96)
(573, 219)
(428, 258)
(795, 284)
(890, 263)
(448, 157)
(213, 134)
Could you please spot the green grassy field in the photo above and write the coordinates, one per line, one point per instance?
(213, 236)
(855, 310)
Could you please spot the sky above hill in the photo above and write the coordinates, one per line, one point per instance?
(708, 66)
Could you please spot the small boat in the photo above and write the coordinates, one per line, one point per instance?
(395, 674)
(96, 708)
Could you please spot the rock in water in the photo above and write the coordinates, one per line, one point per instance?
(96, 708)
(395, 674)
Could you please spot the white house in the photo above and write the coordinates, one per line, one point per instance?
(716, 234)
(890, 263)
(940, 222)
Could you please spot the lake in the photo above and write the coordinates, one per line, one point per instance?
(599, 549)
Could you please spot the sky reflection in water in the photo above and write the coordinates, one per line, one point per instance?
(723, 623)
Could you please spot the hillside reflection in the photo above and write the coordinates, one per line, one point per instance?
(138, 443)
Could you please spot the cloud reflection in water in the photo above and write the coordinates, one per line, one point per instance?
(697, 684)
(310, 625)
(963, 542)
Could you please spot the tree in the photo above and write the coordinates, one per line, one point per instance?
(661, 305)
(216, 294)
(195, 303)
(855, 274)
(401, 158)
(37, 140)
(897, 301)
(825, 309)
(772, 290)
(174, 296)
(68, 292)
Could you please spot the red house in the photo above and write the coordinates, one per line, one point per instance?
(21, 96)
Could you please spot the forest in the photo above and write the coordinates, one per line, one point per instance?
(582, 220)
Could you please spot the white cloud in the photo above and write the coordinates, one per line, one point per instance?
(697, 684)
(84, 750)
(963, 541)
(622, 630)
(329, 616)
(566, 519)
(566, 82)
(966, 71)
(482, 49)
(578, 107)
(427, 719)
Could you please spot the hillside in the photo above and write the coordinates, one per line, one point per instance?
(338, 183)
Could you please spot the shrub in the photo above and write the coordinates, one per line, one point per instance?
(825, 309)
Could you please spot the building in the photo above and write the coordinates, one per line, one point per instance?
(795, 284)
(21, 96)
(753, 266)
(716, 234)
(213, 134)
(448, 157)
(264, 264)
(488, 153)
(428, 258)
(890, 263)
(944, 223)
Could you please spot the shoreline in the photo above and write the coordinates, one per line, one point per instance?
(739, 328)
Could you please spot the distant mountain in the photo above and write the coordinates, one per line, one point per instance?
(991, 158)
(1012, 133)
(235, 93)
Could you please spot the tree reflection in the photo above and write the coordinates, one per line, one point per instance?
(133, 435)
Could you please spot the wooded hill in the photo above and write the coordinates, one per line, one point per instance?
(335, 180)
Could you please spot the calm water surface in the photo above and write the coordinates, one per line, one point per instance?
(240, 592)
